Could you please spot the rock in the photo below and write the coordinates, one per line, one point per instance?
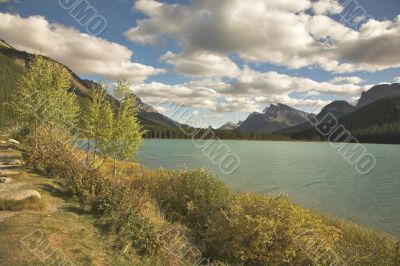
(336, 108)
(20, 195)
(229, 126)
(274, 118)
(5, 180)
(378, 92)
(4, 167)
(3, 142)
(13, 141)
(14, 162)
(8, 172)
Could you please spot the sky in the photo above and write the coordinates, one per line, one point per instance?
(223, 59)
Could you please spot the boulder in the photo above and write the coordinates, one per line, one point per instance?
(13, 141)
(20, 195)
(8, 172)
(14, 162)
(5, 180)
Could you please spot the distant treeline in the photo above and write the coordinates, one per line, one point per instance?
(189, 133)
(385, 134)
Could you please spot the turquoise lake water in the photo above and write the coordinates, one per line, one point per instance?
(314, 175)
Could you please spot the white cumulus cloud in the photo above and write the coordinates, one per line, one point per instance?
(81, 52)
(282, 32)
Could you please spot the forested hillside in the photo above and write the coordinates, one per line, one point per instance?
(12, 64)
(378, 122)
(9, 73)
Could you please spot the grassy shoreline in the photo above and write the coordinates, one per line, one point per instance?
(139, 208)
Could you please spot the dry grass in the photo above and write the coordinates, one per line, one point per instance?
(69, 230)
(241, 229)
(73, 236)
(32, 203)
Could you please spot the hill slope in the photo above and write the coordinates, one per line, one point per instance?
(12, 64)
(336, 108)
(9, 73)
(377, 122)
(378, 92)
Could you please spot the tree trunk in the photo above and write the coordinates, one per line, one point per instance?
(115, 166)
(95, 149)
(87, 151)
(36, 136)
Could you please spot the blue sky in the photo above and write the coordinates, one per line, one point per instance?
(225, 81)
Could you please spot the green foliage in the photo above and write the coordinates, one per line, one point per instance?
(47, 151)
(42, 96)
(361, 246)
(378, 122)
(232, 228)
(190, 197)
(126, 138)
(384, 133)
(131, 219)
(97, 119)
(9, 74)
(122, 207)
(248, 229)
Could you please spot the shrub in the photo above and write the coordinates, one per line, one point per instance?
(190, 197)
(239, 229)
(261, 230)
(50, 151)
(361, 246)
(131, 218)
(121, 214)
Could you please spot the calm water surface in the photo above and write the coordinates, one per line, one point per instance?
(312, 174)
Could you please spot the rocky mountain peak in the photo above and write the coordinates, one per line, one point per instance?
(273, 118)
(337, 108)
(339, 105)
(378, 92)
(230, 126)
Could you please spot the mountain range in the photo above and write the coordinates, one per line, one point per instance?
(230, 126)
(273, 118)
(336, 108)
(376, 116)
(378, 92)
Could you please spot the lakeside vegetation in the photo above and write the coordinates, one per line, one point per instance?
(137, 206)
(148, 216)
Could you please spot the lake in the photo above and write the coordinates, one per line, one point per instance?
(313, 174)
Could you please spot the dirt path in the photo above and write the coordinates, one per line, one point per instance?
(10, 161)
(69, 231)
(18, 186)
